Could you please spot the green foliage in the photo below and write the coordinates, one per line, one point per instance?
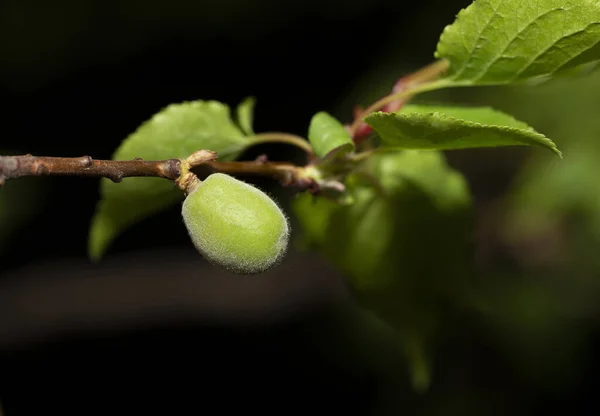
(402, 243)
(175, 132)
(549, 222)
(396, 221)
(327, 134)
(445, 128)
(504, 41)
(562, 189)
(245, 115)
(490, 43)
(546, 193)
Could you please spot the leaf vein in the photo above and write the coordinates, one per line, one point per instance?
(533, 59)
(485, 68)
(471, 53)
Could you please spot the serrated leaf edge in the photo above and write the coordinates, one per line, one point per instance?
(450, 79)
(550, 144)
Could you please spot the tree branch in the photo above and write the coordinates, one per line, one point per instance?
(12, 167)
(286, 173)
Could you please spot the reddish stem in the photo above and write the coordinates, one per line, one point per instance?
(361, 130)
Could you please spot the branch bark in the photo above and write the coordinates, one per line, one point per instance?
(12, 167)
(286, 173)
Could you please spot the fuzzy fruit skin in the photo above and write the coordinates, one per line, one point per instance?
(235, 225)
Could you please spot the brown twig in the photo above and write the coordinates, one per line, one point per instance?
(286, 173)
(12, 167)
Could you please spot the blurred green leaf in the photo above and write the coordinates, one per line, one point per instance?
(175, 132)
(402, 243)
(245, 115)
(547, 191)
(504, 41)
(314, 214)
(327, 134)
(447, 127)
(540, 289)
(550, 191)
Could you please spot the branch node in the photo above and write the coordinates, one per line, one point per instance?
(86, 161)
(116, 178)
(200, 157)
(172, 168)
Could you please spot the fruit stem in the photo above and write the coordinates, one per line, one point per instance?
(188, 182)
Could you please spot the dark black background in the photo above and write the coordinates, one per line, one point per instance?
(153, 327)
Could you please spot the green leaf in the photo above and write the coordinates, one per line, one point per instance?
(359, 235)
(175, 132)
(446, 128)
(504, 41)
(402, 244)
(245, 115)
(545, 192)
(327, 134)
(314, 214)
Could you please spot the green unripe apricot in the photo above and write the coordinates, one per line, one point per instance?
(235, 225)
